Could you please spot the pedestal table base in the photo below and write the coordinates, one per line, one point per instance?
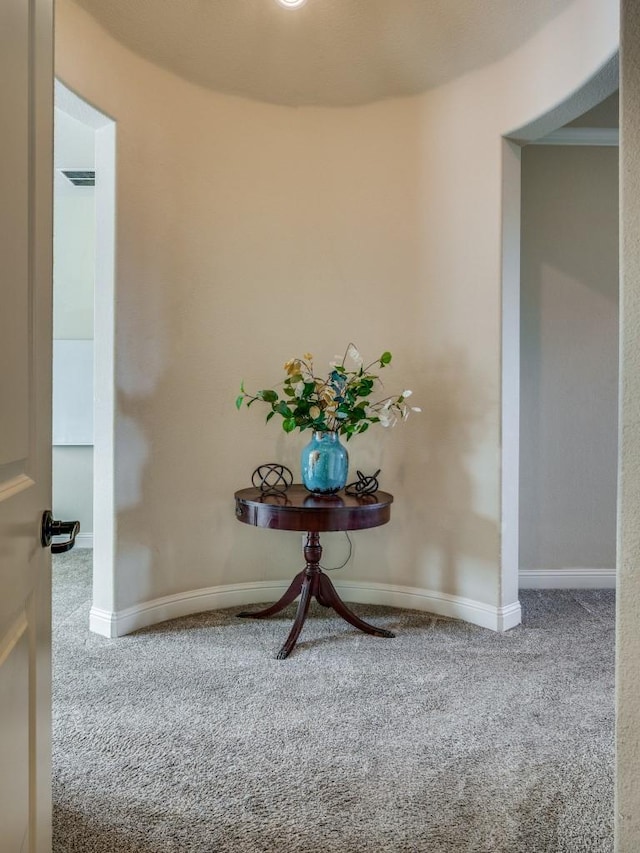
(310, 583)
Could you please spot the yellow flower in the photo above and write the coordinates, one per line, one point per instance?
(308, 356)
(314, 411)
(292, 366)
(326, 393)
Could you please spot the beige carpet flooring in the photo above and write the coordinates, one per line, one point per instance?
(190, 737)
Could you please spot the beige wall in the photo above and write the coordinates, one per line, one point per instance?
(569, 357)
(247, 233)
(628, 635)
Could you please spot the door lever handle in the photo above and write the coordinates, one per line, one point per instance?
(51, 527)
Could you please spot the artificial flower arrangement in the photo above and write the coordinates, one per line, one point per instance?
(337, 403)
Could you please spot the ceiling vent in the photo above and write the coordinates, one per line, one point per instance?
(80, 178)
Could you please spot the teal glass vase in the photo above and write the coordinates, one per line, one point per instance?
(325, 464)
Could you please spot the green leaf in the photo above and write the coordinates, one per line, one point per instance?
(242, 385)
(282, 409)
(289, 424)
(268, 396)
(269, 416)
(385, 358)
(239, 400)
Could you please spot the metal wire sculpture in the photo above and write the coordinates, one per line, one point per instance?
(272, 478)
(365, 485)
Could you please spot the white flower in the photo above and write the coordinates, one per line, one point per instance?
(299, 389)
(389, 420)
(406, 394)
(354, 355)
(407, 409)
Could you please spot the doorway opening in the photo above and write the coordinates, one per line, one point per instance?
(598, 89)
(569, 354)
(83, 382)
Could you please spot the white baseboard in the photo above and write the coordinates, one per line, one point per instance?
(567, 578)
(119, 623)
(83, 540)
(440, 603)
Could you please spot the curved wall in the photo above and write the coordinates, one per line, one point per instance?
(248, 233)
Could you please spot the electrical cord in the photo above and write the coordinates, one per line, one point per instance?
(335, 568)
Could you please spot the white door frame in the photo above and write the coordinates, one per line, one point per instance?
(104, 342)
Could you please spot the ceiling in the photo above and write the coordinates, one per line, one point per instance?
(327, 52)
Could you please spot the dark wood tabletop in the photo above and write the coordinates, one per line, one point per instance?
(298, 509)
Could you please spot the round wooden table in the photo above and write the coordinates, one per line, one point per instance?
(298, 509)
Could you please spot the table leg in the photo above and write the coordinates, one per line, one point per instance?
(303, 607)
(290, 595)
(329, 594)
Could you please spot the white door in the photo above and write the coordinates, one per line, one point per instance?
(26, 120)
